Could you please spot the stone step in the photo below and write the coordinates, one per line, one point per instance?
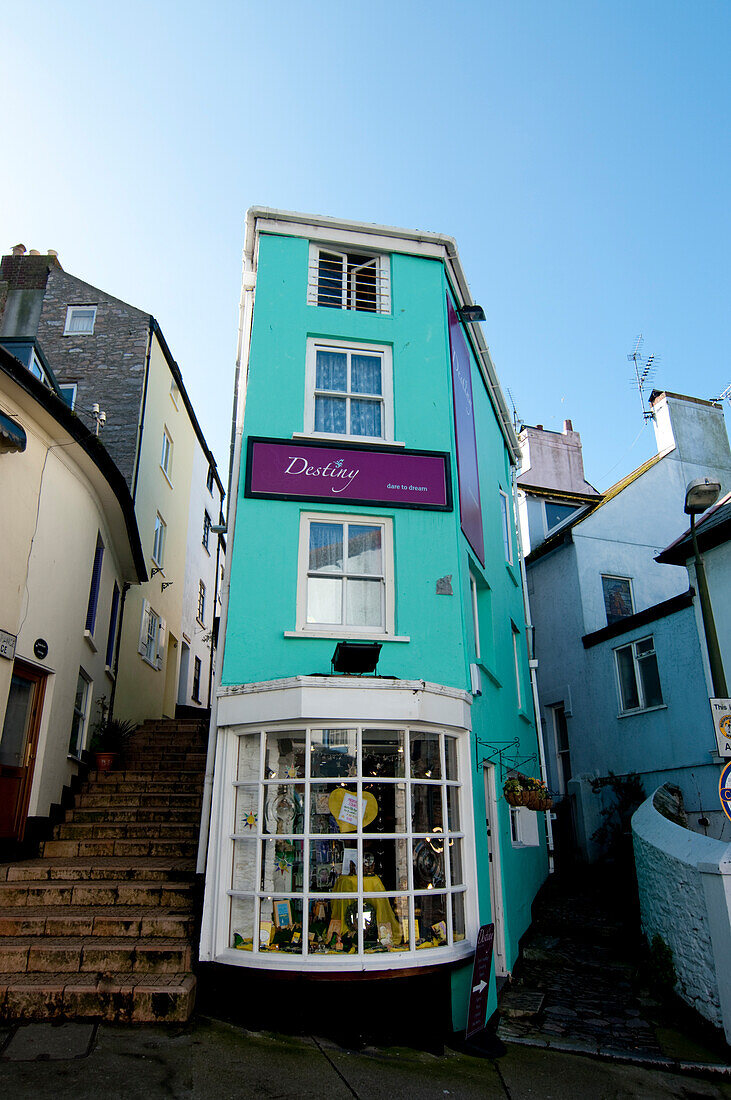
(153, 771)
(143, 782)
(118, 869)
(133, 921)
(112, 814)
(124, 830)
(152, 846)
(21, 954)
(125, 998)
(120, 798)
(170, 895)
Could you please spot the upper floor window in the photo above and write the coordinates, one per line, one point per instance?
(68, 393)
(345, 581)
(174, 392)
(556, 513)
(80, 718)
(505, 514)
(158, 542)
(637, 675)
(152, 636)
(206, 529)
(36, 368)
(617, 598)
(209, 480)
(348, 280)
(517, 661)
(201, 603)
(349, 390)
(96, 576)
(166, 459)
(80, 321)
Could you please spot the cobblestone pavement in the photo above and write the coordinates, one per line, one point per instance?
(582, 981)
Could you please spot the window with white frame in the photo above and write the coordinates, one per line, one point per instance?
(158, 541)
(166, 458)
(80, 321)
(563, 749)
(517, 661)
(174, 392)
(209, 480)
(637, 676)
(152, 636)
(349, 390)
(556, 513)
(68, 393)
(206, 529)
(80, 716)
(201, 603)
(506, 525)
(346, 843)
(348, 280)
(523, 827)
(475, 615)
(196, 694)
(345, 580)
(617, 592)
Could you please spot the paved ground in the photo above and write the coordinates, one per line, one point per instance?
(584, 963)
(212, 1060)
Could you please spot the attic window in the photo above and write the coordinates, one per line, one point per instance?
(80, 321)
(348, 280)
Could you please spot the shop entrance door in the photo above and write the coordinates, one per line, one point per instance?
(18, 745)
(496, 885)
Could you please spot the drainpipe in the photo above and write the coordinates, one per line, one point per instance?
(215, 604)
(246, 308)
(533, 665)
(123, 597)
(143, 403)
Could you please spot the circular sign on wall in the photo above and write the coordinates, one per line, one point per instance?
(40, 648)
(724, 790)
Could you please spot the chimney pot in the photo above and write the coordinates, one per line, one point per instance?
(34, 252)
(568, 426)
(18, 249)
(52, 252)
(539, 427)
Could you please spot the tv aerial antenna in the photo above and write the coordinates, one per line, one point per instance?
(644, 367)
(516, 419)
(725, 396)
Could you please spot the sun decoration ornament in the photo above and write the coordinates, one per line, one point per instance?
(250, 820)
(283, 865)
(291, 772)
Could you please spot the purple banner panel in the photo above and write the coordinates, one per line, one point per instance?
(288, 470)
(470, 509)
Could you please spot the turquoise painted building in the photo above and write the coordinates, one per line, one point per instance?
(357, 823)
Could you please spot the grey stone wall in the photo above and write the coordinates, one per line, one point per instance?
(107, 366)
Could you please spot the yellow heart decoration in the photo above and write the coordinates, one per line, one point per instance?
(335, 803)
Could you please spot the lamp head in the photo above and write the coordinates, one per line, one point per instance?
(700, 494)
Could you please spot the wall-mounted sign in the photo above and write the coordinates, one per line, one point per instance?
(470, 508)
(721, 712)
(354, 473)
(7, 645)
(40, 648)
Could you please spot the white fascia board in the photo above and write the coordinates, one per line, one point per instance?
(262, 219)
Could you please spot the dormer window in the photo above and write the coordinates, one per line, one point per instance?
(348, 280)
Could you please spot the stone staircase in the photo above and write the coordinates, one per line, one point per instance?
(103, 924)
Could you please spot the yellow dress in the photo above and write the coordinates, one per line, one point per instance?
(348, 884)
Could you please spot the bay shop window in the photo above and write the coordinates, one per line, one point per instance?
(346, 844)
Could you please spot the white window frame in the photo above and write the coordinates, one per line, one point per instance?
(70, 311)
(166, 456)
(505, 516)
(174, 392)
(556, 709)
(518, 664)
(383, 276)
(524, 827)
(475, 614)
(158, 540)
(206, 530)
(562, 503)
(343, 630)
(636, 661)
(152, 636)
(201, 611)
(382, 350)
(83, 715)
(73, 386)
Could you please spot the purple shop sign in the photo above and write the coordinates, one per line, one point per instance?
(288, 470)
(470, 508)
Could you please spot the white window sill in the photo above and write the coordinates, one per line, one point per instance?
(511, 573)
(165, 475)
(153, 664)
(109, 672)
(75, 759)
(348, 439)
(347, 635)
(89, 639)
(641, 710)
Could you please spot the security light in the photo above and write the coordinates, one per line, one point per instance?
(356, 658)
(700, 495)
(471, 314)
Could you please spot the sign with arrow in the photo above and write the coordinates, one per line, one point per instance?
(480, 980)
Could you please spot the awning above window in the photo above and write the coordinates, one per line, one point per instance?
(12, 436)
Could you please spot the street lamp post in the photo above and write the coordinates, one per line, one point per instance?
(700, 495)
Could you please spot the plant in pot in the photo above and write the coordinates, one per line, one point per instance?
(109, 740)
(523, 790)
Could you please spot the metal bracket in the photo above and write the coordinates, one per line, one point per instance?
(507, 761)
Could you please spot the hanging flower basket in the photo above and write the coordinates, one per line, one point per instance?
(522, 790)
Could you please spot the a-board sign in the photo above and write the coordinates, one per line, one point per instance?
(721, 714)
(480, 986)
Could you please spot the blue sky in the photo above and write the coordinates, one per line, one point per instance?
(578, 151)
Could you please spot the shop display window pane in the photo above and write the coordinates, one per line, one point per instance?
(428, 863)
(430, 916)
(244, 866)
(284, 754)
(385, 923)
(450, 757)
(280, 925)
(425, 758)
(330, 866)
(282, 866)
(284, 808)
(334, 809)
(248, 768)
(385, 865)
(385, 810)
(455, 862)
(383, 754)
(333, 753)
(247, 809)
(453, 818)
(242, 924)
(457, 917)
(333, 927)
(426, 808)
